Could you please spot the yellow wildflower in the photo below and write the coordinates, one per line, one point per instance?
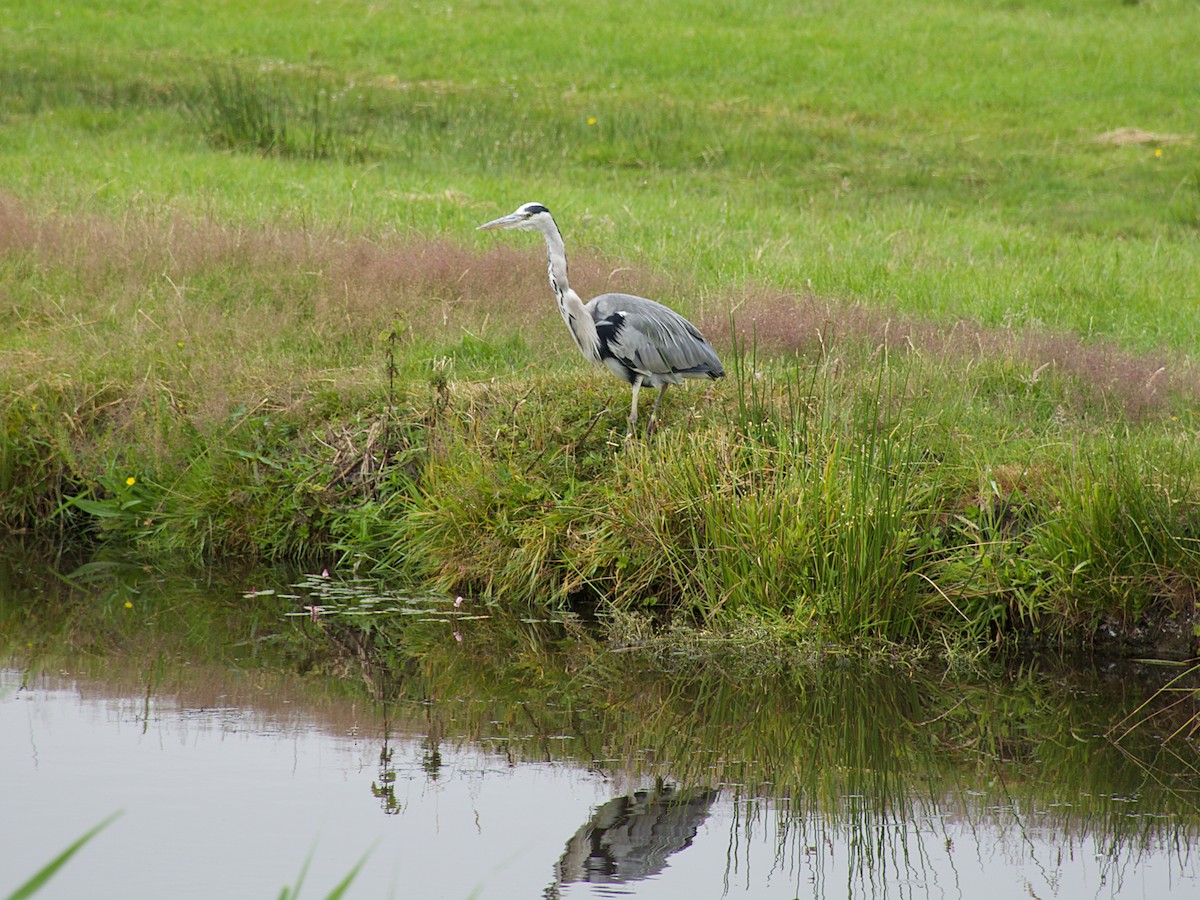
(130, 481)
(591, 120)
(129, 604)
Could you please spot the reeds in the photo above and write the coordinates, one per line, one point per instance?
(277, 117)
(820, 494)
(810, 497)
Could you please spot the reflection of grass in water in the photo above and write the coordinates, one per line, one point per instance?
(834, 742)
(1171, 703)
(872, 762)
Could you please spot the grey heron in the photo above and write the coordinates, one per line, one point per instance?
(638, 340)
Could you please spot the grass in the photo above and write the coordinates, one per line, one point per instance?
(238, 267)
(44, 874)
(237, 114)
(974, 185)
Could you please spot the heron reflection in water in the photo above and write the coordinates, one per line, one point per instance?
(629, 838)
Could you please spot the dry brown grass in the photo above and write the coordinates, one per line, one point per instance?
(198, 279)
(218, 310)
(1129, 135)
(1136, 383)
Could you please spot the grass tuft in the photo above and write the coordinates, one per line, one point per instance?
(271, 116)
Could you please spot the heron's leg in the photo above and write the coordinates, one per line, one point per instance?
(637, 386)
(654, 411)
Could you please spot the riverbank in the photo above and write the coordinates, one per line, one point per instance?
(950, 271)
(858, 475)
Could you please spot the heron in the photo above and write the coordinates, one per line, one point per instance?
(638, 340)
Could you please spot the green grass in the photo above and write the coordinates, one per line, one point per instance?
(942, 157)
(44, 874)
(973, 400)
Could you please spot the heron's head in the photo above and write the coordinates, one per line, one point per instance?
(528, 217)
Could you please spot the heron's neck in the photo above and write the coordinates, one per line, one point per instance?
(556, 254)
(579, 320)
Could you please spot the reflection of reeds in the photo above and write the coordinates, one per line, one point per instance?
(1173, 710)
(834, 742)
(868, 772)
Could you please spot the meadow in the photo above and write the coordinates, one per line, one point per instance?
(946, 250)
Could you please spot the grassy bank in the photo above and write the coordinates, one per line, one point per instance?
(947, 254)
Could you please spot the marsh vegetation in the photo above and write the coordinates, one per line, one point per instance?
(949, 254)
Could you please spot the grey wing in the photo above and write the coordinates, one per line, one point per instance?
(652, 339)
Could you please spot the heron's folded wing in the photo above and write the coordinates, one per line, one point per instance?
(651, 338)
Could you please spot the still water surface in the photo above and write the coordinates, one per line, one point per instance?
(229, 779)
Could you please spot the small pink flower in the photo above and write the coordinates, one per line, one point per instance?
(324, 573)
(458, 637)
(457, 602)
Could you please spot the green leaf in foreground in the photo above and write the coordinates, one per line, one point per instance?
(344, 884)
(38, 881)
(292, 893)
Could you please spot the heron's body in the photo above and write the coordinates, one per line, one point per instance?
(638, 340)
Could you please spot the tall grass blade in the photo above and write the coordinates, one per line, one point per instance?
(339, 890)
(291, 893)
(38, 881)
(344, 884)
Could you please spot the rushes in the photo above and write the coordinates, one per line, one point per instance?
(277, 118)
(822, 502)
(799, 515)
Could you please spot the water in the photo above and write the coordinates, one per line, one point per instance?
(507, 762)
(229, 801)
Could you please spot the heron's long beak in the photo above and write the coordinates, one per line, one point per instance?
(503, 222)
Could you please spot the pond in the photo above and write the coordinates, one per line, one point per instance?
(474, 756)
